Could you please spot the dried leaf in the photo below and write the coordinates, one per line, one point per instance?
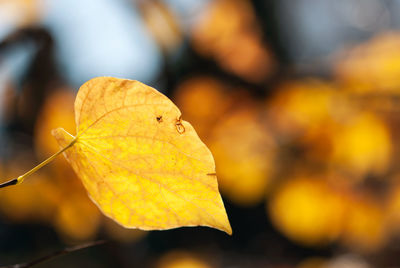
(141, 164)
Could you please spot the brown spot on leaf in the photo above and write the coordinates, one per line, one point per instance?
(179, 127)
(159, 118)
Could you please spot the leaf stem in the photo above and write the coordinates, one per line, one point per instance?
(21, 178)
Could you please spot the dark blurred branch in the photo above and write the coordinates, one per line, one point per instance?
(40, 78)
(55, 255)
(9, 183)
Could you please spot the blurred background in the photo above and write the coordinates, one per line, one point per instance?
(299, 101)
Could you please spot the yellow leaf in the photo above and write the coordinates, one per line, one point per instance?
(141, 164)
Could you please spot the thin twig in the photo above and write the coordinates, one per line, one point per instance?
(55, 255)
(21, 178)
(9, 183)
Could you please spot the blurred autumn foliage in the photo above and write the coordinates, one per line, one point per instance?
(307, 161)
(314, 149)
(228, 32)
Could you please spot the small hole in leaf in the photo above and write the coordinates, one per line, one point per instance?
(159, 118)
(179, 127)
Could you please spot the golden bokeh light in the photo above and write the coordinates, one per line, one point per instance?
(182, 259)
(34, 201)
(372, 67)
(76, 218)
(364, 228)
(244, 154)
(308, 210)
(313, 262)
(215, 100)
(362, 145)
(301, 106)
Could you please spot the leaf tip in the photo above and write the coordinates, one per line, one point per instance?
(228, 229)
(226, 226)
(222, 223)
